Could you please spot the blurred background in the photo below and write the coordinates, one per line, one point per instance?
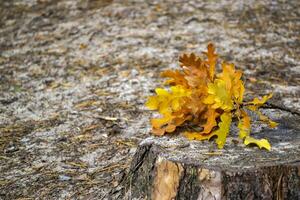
(75, 74)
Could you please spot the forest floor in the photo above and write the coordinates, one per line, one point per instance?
(74, 77)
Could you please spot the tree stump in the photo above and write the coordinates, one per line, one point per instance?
(171, 167)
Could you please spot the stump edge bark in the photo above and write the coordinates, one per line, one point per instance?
(152, 176)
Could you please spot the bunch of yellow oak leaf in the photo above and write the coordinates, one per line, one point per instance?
(200, 96)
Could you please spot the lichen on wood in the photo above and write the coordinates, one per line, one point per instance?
(232, 173)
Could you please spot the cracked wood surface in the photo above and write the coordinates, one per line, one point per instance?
(192, 171)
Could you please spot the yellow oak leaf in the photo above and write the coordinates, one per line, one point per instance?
(239, 91)
(197, 136)
(165, 101)
(262, 143)
(171, 104)
(272, 124)
(178, 95)
(224, 127)
(219, 96)
(202, 97)
(244, 125)
(252, 107)
(266, 120)
(221, 133)
(232, 79)
(259, 102)
(152, 103)
(228, 74)
(159, 122)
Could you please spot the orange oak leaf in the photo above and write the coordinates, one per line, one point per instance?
(211, 59)
(197, 94)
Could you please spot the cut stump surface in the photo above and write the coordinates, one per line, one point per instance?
(171, 167)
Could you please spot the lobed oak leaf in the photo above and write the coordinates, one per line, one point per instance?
(165, 101)
(199, 96)
(152, 103)
(211, 60)
(168, 123)
(197, 136)
(239, 91)
(219, 96)
(161, 92)
(195, 70)
(259, 102)
(272, 124)
(158, 132)
(232, 79)
(159, 122)
(221, 133)
(159, 102)
(195, 103)
(175, 78)
(224, 127)
(252, 107)
(170, 128)
(178, 95)
(262, 143)
(266, 120)
(162, 125)
(190, 61)
(244, 125)
(211, 122)
(262, 117)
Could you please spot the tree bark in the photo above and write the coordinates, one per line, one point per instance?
(167, 167)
